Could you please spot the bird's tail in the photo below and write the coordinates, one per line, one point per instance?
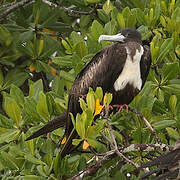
(54, 124)
(50, 126)
(68, 147)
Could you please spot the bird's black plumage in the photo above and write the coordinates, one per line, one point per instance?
(113, 69)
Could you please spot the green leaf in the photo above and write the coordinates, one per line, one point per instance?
(1, 79)
(67, 76)
(99, 93)
(93, 1)
(157, 12)
(164, 49)
(82, 163)
(26, 36)
(13, 111)
(85, 21)
(50, 103)
(90, 99)
(17, 94)
(111, 27)
(172, 133)
(30, 111)
(7, 161)
(43, 67)
(58, 86)
(92, 142)
(88, 117)
(91, 132)
(31, 177)
(76, 38)
(65, 61)
(41, 107)
(5, 122)
(172, 88)
(50, 46)
(83, 105)
(103, 16)
(33, 160)
(73, 120)
(81, 49)
(76, 141)
(167, 71)
(16, 77)
(80, 128)
(59, 27)
(121, 20)
(41, 46)
(9, 135)
(137, 136)
(30, 146)
(107, 99)
(173, 103)
(163, 124)
(140, 16)
(57, 163)
(176, 14)
(41, 170)
(67, 46)
(35, 89)
(108, 7)
(51, 20)
(96, 29)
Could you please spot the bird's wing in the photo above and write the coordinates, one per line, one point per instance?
(145, 64)
(102, 70)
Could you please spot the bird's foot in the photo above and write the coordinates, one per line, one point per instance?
(120, 107)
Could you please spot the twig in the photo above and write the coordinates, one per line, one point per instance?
(92, 169)
(70, 11)
(14, 7)
(147, 124)
(9, 4)
(106, 139)
(115, 143)
(102, 154)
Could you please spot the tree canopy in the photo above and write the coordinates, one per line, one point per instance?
(43, 46)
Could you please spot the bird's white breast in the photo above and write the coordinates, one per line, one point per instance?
(131, 72)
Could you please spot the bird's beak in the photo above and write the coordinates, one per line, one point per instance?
(115, 38)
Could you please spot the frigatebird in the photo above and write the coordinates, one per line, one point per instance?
(120, 69)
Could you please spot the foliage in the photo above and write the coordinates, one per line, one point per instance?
(42, 49)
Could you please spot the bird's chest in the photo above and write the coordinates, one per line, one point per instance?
(131, 73)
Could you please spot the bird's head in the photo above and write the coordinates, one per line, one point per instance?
(124, 35)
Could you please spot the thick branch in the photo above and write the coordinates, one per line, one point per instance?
(93, 169)
(112, 154)
(14, 7)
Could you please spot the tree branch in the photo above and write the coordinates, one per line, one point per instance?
(9, 4)
(70, 11)
(112, 154)
(14, 7)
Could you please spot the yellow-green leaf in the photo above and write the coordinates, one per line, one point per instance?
(14, 111)
(90, 99)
